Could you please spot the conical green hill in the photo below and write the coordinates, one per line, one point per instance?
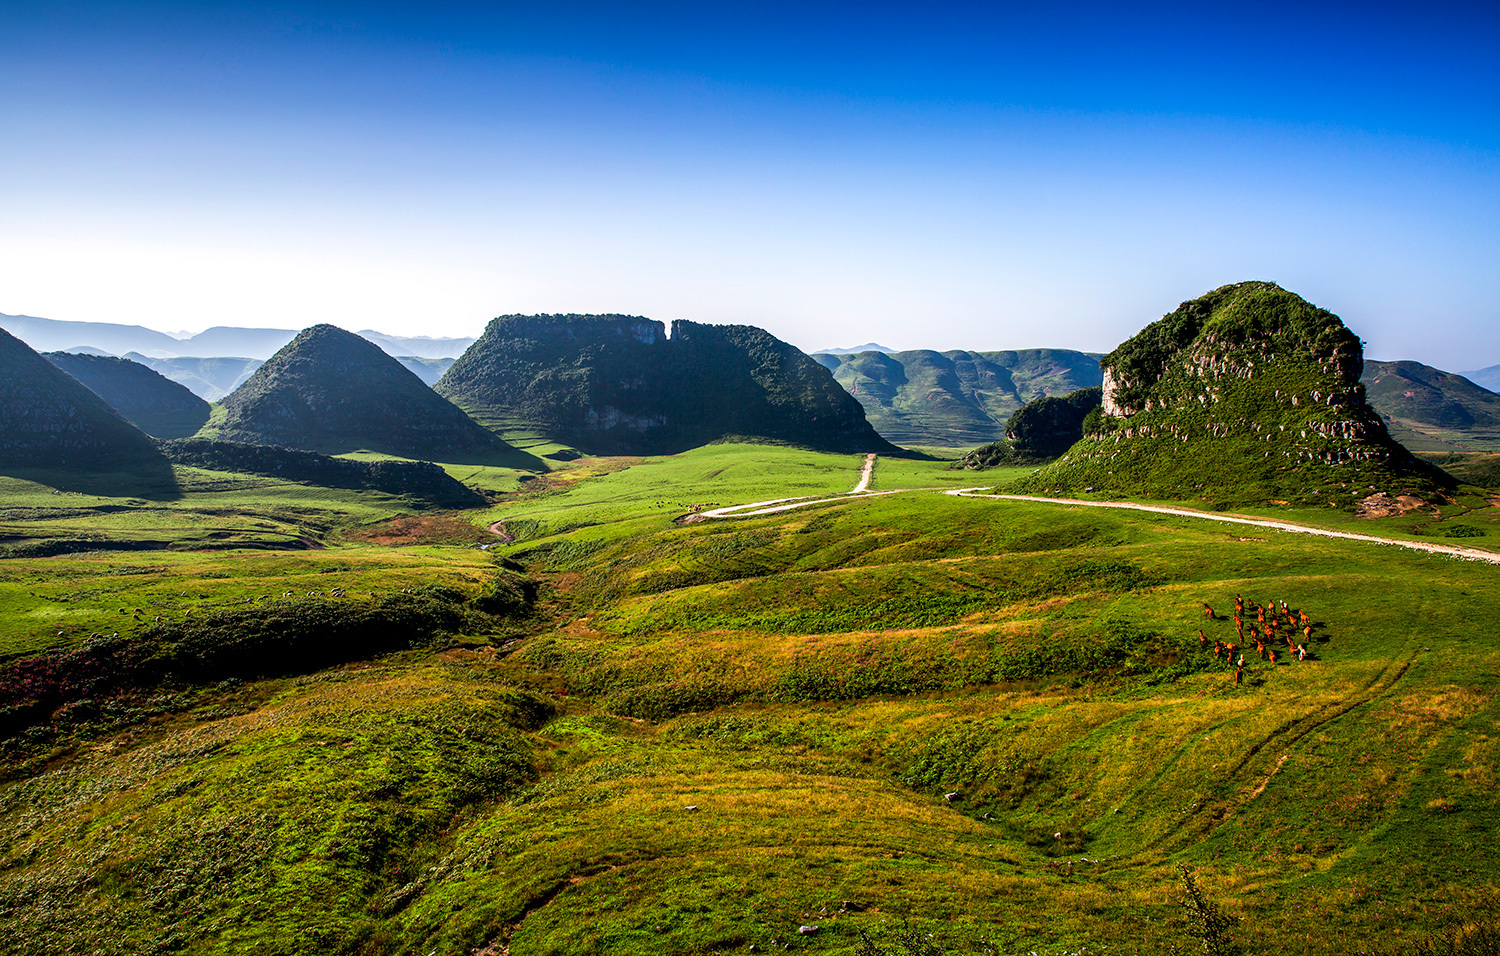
(1248, 394)
(618, 383)
(147, 399)
(50, 420)
(331, 391)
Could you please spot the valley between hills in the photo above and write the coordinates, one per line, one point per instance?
(621, 639)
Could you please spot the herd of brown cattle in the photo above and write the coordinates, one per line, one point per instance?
(1263, 632)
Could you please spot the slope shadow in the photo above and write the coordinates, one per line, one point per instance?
(505, 456)
(151, 480)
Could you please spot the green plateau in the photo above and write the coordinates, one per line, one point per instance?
(631, 682)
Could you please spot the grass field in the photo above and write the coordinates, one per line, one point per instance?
(987, 721)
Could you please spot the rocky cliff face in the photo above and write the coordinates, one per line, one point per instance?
(620, 384)
(1247, 394)
(331, 391)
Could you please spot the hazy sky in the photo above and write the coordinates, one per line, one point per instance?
(923, 175)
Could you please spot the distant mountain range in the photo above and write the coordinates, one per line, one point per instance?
(1429, 410)
(955, 399)
(53, 335)
(867, 347)
(1486, 377)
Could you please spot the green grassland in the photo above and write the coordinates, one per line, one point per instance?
(990, 721)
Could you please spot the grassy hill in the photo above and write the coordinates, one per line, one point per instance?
(148, 400)
(1430, 410)
(619, 384)
(955, 399)
(331, 391)
(1248, 394)
(917, 723)
(49, 420)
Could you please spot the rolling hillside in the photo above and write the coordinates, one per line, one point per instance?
(955, 399)
(1430, 410)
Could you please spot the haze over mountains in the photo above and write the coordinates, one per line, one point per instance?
(53, 335)
(953, 399)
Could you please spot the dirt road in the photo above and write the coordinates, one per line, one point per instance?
(776, 505)
(1455, 551)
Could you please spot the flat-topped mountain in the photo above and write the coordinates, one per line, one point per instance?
(956, 398)
(1247, 394)
(329, 390)
(618, 383)
(148, 400)
(48, 419)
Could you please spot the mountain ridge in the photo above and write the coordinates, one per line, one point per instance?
(622, 384)
(958, 398)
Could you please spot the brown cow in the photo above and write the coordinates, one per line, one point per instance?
(1208, 612)
(1271, 655)
(1202, 638)
(1239, 605)
(1239, 674)
(1260, 649)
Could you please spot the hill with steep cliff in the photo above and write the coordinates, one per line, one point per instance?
(957, 398)
(1247, 394)
(148, 400)
(331, 391)
(48, 419)
(617, 383)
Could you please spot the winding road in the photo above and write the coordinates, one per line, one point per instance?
(861, 490)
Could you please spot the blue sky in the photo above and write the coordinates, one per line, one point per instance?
(923, 175)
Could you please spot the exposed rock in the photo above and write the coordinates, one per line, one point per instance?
(1248, 394)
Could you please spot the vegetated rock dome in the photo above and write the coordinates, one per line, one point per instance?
(329, 390)
(618, 383)
(1247, 394)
